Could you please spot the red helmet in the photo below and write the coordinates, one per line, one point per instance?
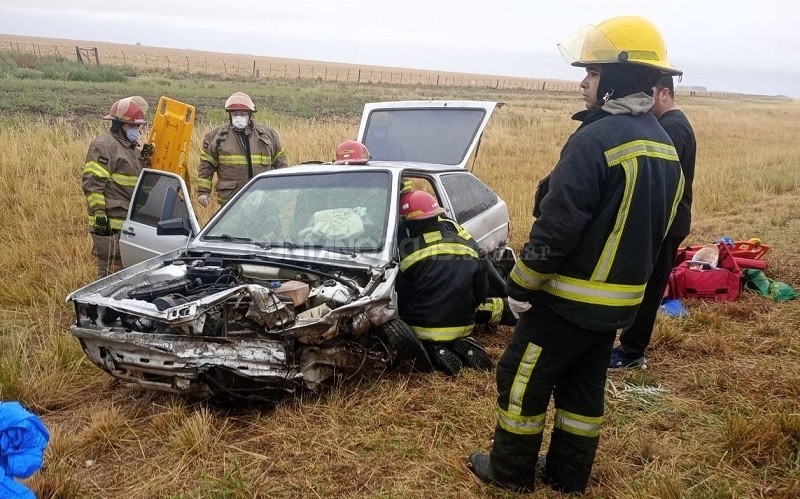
(419, 205)
(240, 101)
(128, 110)
(351, 152)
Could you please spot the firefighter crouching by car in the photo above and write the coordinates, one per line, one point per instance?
(601, 215)
(441, 282)
(237, 151)
(113, 164)
(493, 311)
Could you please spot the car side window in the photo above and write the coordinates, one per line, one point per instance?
(148, 205)
(468, 195)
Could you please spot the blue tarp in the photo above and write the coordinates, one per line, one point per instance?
(23, 438)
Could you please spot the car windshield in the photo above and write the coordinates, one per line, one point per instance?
(342, 212)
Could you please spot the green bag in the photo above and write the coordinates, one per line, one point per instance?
(756, 281)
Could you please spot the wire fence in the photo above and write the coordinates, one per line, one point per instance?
(190, 62)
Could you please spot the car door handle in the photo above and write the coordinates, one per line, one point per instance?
(129, 231)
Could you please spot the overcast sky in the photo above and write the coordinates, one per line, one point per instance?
(733, 45)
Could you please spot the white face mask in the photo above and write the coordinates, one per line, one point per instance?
(240, 122)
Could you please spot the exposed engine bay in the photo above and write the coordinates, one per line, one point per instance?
(213, 325)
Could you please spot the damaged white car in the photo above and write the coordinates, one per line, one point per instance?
(290, 286)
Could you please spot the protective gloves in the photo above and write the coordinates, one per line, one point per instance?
(517, 307)
(148, 150)
(204, 199)
(101, 226)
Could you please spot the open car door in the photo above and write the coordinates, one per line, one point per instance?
(433, 132)
(159, 199)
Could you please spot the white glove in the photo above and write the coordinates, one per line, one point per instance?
(517, 307)
(204, 199)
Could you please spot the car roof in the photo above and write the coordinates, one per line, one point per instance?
(396, 166)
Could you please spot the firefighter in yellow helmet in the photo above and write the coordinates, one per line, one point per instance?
(237, 151)
(601, 215)
(113, 164)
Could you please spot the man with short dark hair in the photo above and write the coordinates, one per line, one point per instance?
(601, 215)
(634, 340)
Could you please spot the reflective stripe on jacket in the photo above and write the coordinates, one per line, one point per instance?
(441, 281)
(600, 218)
(112, 168)
(223, 154)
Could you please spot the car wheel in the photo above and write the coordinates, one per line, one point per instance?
(403, 340)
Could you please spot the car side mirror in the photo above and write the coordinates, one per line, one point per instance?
(174, 227)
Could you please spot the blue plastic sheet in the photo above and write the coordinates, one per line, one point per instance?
(674, 308)
(23, 439)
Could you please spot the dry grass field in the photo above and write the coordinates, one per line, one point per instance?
(717, 414)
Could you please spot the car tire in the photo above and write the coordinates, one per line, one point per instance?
(403, 340)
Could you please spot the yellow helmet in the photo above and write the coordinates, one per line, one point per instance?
(626, 39)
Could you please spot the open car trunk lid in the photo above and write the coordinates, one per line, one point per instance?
(434, 132)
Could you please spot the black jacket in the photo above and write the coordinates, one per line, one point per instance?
(600, 218)
(441, 281)
(679, 129)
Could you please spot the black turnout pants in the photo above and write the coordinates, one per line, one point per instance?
(550, 355)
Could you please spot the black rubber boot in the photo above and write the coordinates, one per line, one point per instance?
(443, 358)
(480, 465)
(472, 353)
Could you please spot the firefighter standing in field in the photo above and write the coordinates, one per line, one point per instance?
(237, 151)
(441, 283)
(113, 164)
(601, 215)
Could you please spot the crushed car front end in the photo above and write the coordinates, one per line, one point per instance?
(237, 325)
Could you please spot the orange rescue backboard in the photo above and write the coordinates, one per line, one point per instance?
(171, 136)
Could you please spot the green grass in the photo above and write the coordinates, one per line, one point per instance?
(27, 66)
